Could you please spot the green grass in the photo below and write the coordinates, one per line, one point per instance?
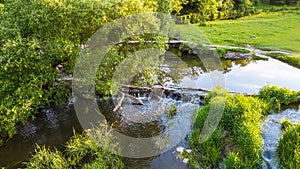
(222, 51)
(289, 147)
(237, 140)
(276, 96)
(273, 31)
(81, 152)
(291, 60)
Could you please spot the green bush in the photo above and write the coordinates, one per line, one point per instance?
(26, 83)
(289, 147)
(38, 35)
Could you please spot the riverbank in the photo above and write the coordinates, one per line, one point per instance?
(291, 60)
(270, 32)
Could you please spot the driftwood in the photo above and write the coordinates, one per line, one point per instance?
(164, 88)
(135, 98)
(120, 103)
(178, 88)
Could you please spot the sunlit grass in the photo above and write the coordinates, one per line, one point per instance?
(289, 147)
(292, 60)
(274, 31)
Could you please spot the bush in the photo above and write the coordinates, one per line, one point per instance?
(289, 147)
(26, 82)
(38, 35)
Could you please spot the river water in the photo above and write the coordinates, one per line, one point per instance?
(55, 125)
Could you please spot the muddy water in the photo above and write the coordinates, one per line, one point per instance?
(54, 126)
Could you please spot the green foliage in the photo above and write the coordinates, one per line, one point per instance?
(286, 124)
(232, 161)
(71, 20)
(46, 158)
(199, 11)
(89, 150)
(238, 134)
(172, 111)
(276, 96)
(1, 8)
(38, 35)
(289, 147)
(177, 5)
(26, 82)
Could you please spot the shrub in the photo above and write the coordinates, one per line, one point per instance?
(38, 35)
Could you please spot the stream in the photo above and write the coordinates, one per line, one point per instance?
(54, 126)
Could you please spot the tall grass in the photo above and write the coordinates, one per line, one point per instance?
(89, 150)
(289, 147)
(237, 140)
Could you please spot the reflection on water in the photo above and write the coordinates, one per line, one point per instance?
(244, 76)
(52, 127)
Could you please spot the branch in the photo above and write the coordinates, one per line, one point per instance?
(136, 99)
(120, 103)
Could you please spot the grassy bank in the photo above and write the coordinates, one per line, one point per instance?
(274, 31)
(289, 146)
(237, 141)
(291, 60)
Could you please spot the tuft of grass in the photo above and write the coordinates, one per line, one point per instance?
(46, 158)
(172, 111)
(222, 51)
(274, 30)
(232, 161)
(289, 147)
(82, 151)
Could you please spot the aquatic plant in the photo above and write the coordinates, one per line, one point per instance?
(172, 111)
